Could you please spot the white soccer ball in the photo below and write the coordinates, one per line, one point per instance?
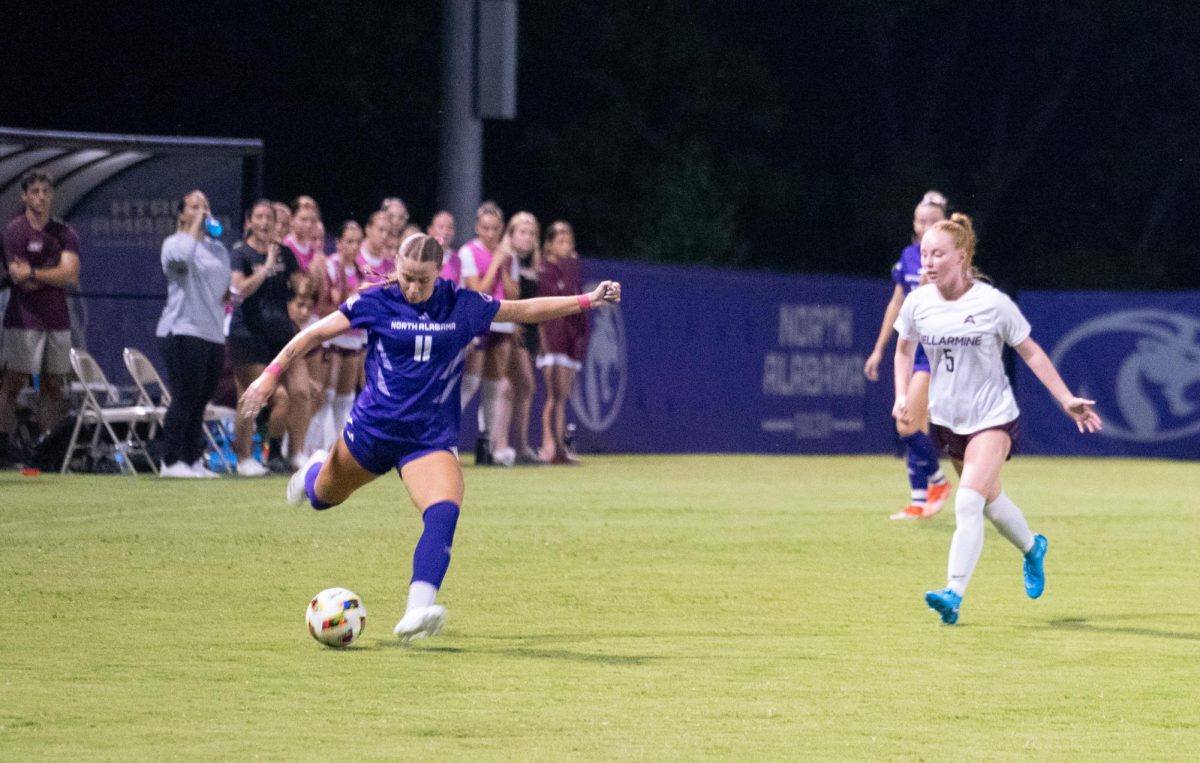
(336, 617)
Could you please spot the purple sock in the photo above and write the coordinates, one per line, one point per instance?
(918, 477)
(922, 454)
(310, 487)
(432, 556)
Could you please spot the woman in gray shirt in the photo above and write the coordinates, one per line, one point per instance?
(191, 334)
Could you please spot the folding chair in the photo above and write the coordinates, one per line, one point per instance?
(102, 417)
(145, 375)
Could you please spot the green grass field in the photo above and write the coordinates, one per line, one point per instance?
(635, 608)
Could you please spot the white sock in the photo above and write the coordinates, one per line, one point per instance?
(1009, 520)
(968, 539)
(470, 385)
(318, 429)
(937, 478)
(342, 405)
(488, 392)
(420, 595)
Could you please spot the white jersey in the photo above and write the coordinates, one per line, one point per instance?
(968, 389)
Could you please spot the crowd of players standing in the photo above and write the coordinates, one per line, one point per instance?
(230, 310)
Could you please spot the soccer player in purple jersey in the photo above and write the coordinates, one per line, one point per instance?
(929, 486)
(407, 416)
(964, 324)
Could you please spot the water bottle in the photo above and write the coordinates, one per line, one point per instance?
(213, 226)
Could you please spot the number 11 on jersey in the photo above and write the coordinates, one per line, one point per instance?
(424, 346)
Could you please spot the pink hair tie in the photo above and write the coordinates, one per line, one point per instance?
(273, 368)
(585, 303)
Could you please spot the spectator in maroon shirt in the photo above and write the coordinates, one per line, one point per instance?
(42, 259)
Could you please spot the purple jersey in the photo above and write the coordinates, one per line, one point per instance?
(45, 308)
(415, 356)
(907, 271)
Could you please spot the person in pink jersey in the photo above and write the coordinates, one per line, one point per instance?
(306, 239)
(344, 352)
(42, 258)
(522, 242)
(562, 343)
(441, 227)
(375, 261)
(488, 271)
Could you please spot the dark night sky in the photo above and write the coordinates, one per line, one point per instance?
(751, 134)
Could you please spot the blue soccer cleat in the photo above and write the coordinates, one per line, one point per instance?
(945, 602)
(1035, 574)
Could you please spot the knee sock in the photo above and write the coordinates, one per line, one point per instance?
(968, 539)
(310, 487)
(342, 405)
(923, 455)
(489, 391)
(318, 435)
(431, 558)
(470, 385)
(918, 480)
(1009, 520)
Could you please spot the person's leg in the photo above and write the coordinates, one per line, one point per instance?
(472, 376)
(180, 380)
(520, 376)
(331, 481)
(984, 457)
(495, 374)
(926, 481)
(343, 398)
(564, 380)
(55, 369)
(22, 357)
(435, 484)
(210, 357)
(243, 428)
(548, 449)
(320, 426)
(300, 396)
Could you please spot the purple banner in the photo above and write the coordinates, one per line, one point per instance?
(1136, 354)
(701, 360)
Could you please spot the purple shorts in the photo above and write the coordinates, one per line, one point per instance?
(378, 455)
(955, 445)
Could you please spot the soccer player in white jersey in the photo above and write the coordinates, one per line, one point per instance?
(406, 417)
(963, 324)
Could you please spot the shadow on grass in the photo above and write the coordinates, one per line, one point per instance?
(1085, 625)
(536, 654)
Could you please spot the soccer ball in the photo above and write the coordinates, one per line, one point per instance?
(336, 617)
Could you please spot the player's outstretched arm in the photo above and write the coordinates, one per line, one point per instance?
(906, 351)
(539, 309)
(871, 367)
(1076, 407)
(259, 392)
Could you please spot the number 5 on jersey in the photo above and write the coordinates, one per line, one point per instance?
(949, 359)
(424, 346)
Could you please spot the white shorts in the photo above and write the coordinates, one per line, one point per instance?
(558, 359)
(31, 351)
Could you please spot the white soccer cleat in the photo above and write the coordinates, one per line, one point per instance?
(248, 467)
(295, 488)
(202, 471)
(504, 457)
(178, 470)
(421, 622)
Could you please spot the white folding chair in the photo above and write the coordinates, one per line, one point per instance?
(102, 416)
(145, 375)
